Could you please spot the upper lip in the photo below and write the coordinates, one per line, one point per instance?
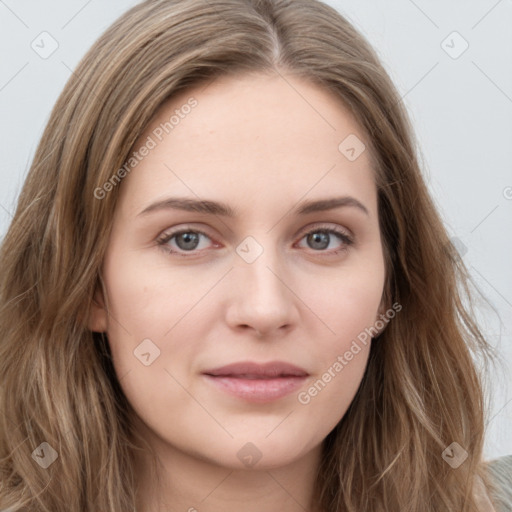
(250, 369)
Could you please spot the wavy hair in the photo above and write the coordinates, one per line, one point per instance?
(422, 389)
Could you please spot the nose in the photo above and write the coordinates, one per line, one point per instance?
(261, 298)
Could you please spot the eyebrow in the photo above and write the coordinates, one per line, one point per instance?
(217, 208)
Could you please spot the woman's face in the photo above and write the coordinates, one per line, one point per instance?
(232, 243)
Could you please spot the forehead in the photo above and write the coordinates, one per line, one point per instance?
(251, 138)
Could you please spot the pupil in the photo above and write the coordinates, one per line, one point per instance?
(321, 238)
(190, 240)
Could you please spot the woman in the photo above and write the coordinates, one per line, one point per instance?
(226, 284)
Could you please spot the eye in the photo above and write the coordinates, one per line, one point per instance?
(188, 240)
(321, 237)
(185, 240)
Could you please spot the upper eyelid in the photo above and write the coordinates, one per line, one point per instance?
(306, 229)
(325, 226)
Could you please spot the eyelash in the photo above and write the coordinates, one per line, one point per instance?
(166, 237)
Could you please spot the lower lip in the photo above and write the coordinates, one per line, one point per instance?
(258, 390)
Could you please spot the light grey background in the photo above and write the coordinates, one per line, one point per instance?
(460, 104)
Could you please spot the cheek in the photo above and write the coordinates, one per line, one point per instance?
(348, 304)
(148, 308)
(330, 392)
(347, 301)
(152, 337)
(151, 299)
(340, 358)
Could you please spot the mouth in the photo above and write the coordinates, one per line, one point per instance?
(255, 382)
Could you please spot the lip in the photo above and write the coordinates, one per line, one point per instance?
(257, 382)
(250, 369)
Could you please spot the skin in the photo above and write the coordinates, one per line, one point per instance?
(262, 144)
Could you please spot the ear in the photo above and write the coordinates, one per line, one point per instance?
(98, 313)
(381, 317)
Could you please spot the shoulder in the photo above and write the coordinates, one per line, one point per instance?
(500, 474)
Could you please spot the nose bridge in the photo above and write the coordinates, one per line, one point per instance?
(263, 299)
(260, 263)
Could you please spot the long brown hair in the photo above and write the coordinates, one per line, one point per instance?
(421, 390)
